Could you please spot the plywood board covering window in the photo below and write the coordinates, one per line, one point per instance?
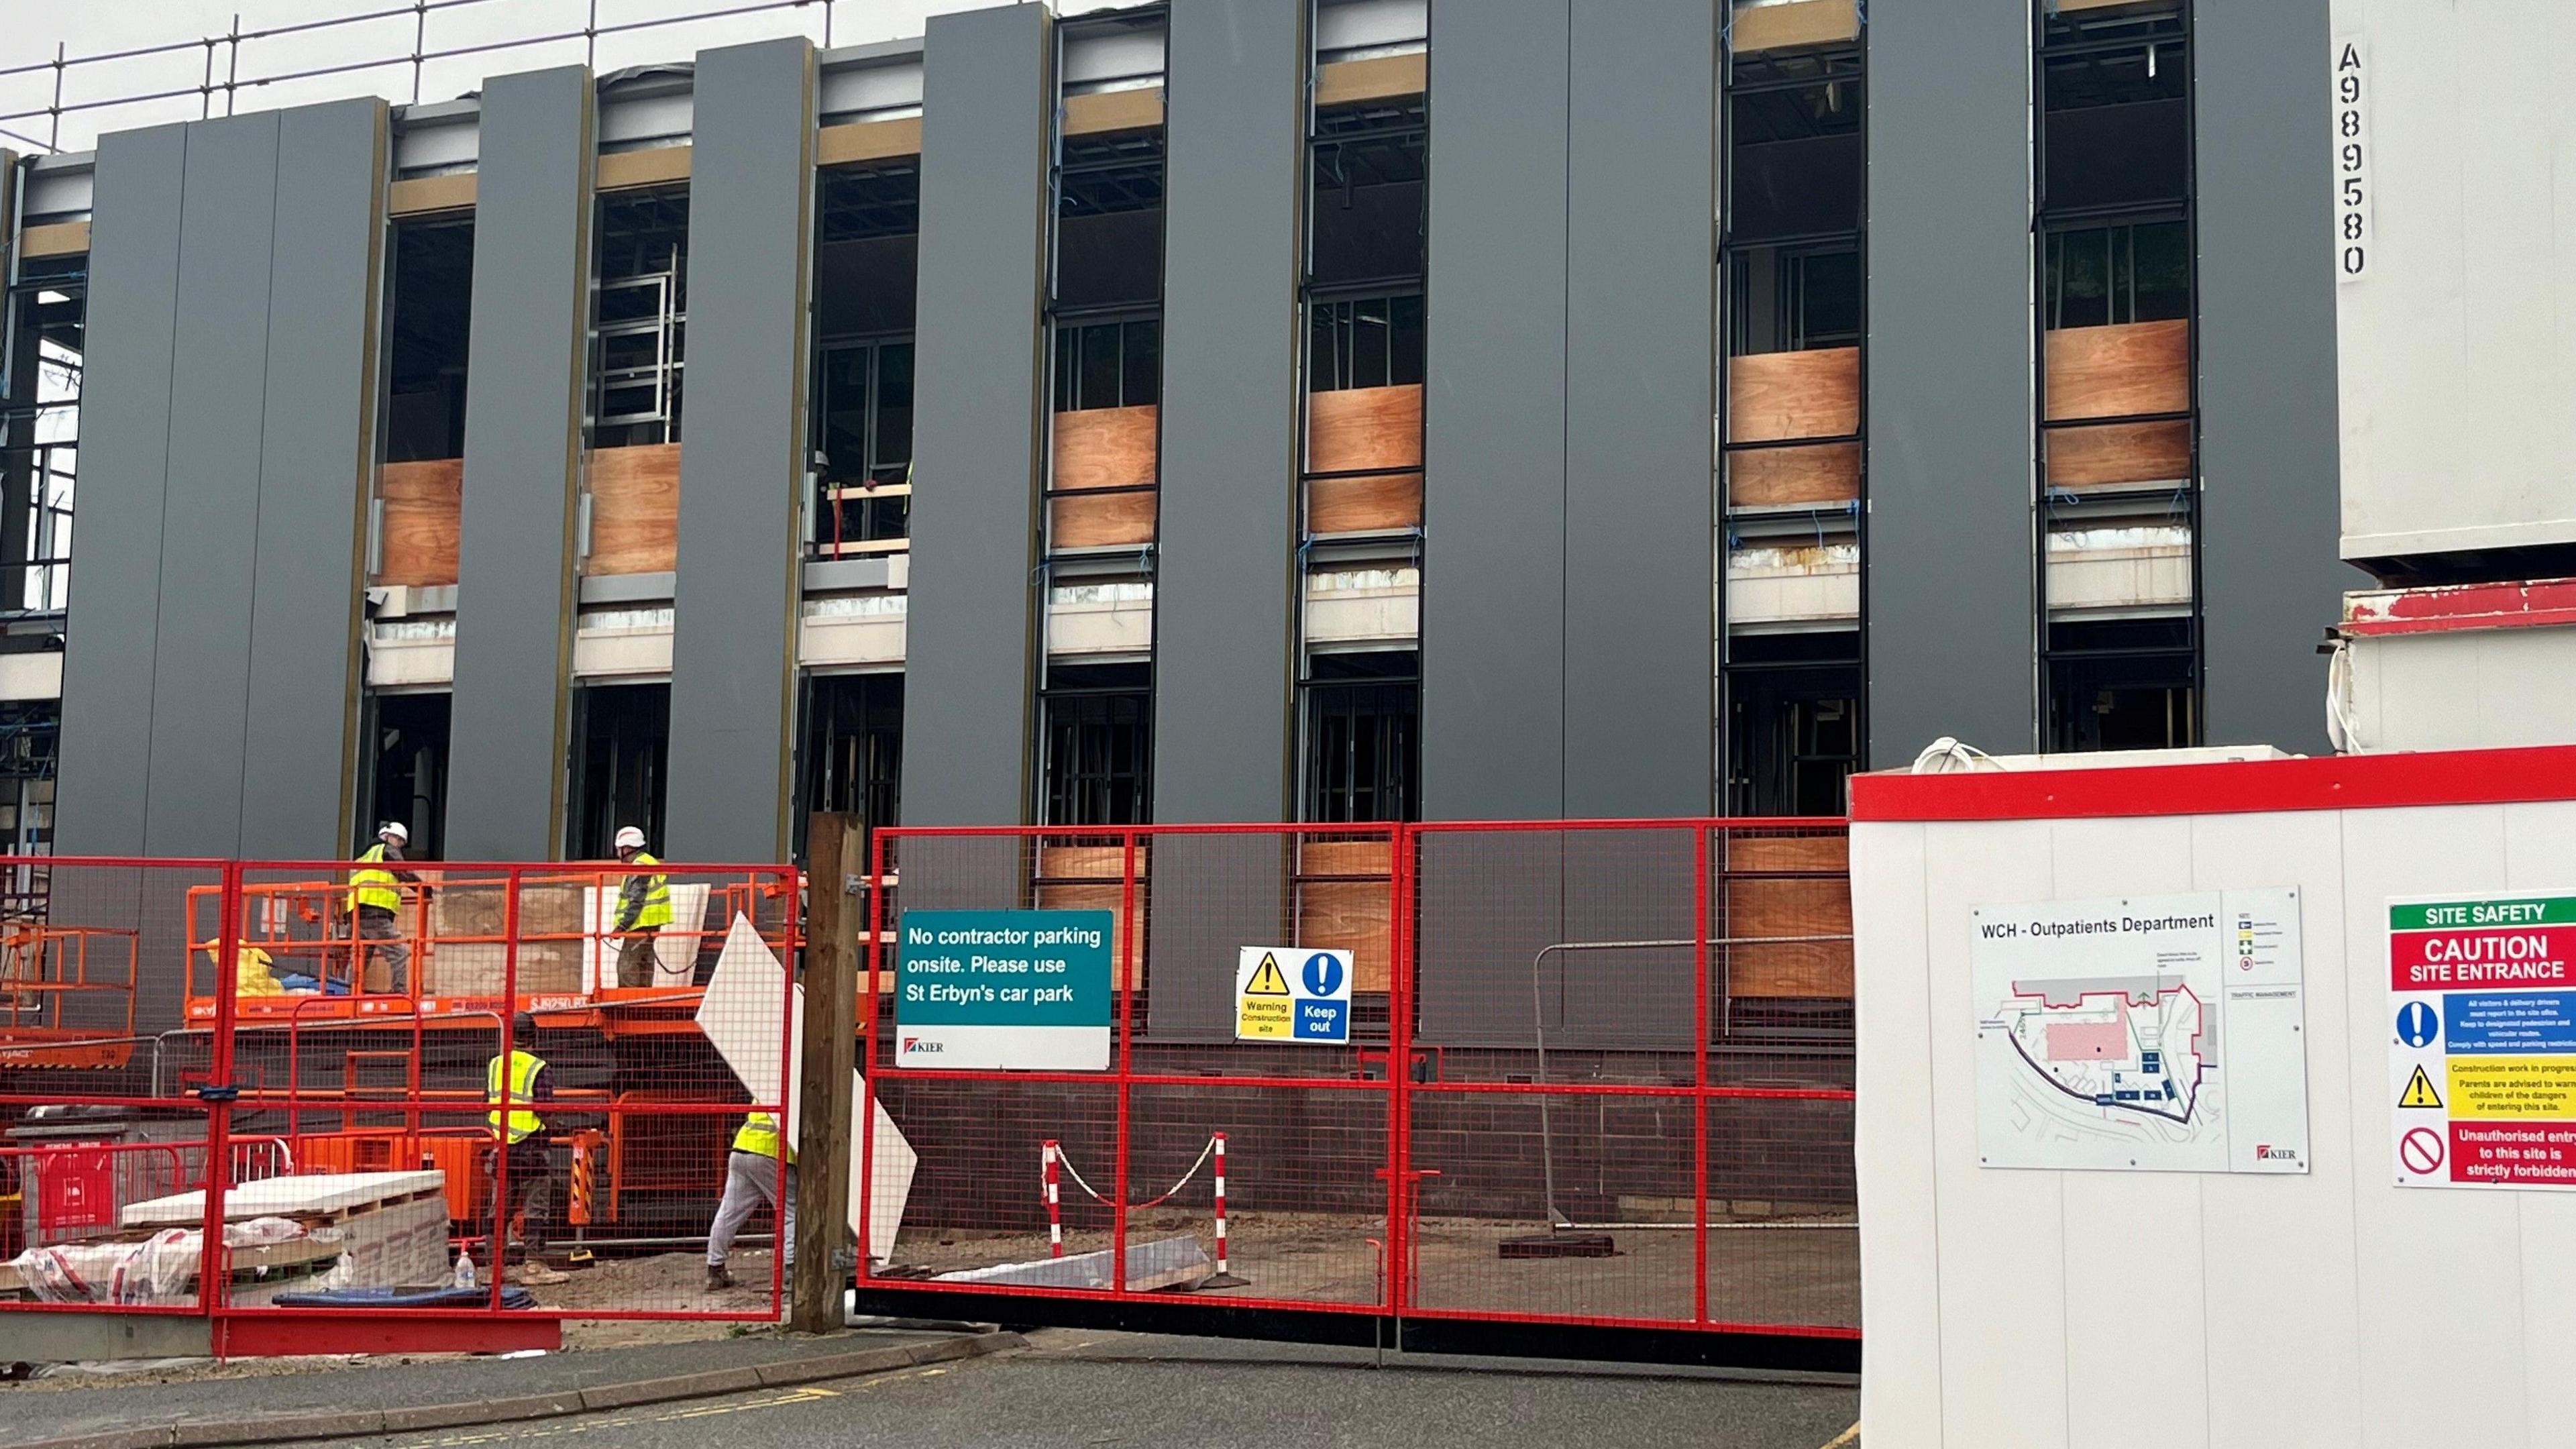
(1100, 520)
(1106, 447)
(1810, 896)
(1798, 22)
(2119, 371)
(1093, 878)
(422, 510)
(1344, 888)
(1783, 396)
(634, 510)
(1353, 431)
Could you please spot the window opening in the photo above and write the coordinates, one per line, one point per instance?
(1791, 249)
(868, 221)
(853, 751)
(1096, 727)
(639, 313)
(1793, 731)
(426, 336)
(2123, 685)
(30, 744)
(407, 774)
(1106, 372)
(2118, 518)
(1363, 736)
(1367, 165)
(40, 395)
(622, 735)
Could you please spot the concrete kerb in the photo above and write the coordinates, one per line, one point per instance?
(340, 1424)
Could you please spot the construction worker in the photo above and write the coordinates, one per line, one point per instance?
(375, 901)
(518, 1137)
(643, 908)
(752, 1177)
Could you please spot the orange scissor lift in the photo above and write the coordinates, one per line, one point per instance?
(458, 960)
(66, 996)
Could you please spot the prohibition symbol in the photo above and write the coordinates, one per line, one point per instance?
(2421, 1150)
(2418, 1024)
(2419, 1092)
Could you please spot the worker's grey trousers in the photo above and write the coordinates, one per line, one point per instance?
(376, 924)
(750, 1180)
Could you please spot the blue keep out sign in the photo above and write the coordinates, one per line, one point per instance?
(1323, 998)
(2418, 1024)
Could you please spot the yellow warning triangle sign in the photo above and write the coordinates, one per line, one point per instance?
(2419, 1091)
(1266, 980)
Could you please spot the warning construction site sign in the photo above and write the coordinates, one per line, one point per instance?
(2482, 1040)
(1292, 994)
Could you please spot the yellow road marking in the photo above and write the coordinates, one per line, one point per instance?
(1846, 1437)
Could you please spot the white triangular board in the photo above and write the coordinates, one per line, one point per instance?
(739, 1014)
(675, 946)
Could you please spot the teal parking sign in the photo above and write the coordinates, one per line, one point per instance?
(1025, 990)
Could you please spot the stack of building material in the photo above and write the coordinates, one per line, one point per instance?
(365, 1229)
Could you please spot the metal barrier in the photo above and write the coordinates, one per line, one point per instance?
(1598, 1077)
(286, 1117)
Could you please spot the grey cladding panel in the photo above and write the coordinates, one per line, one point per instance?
(125, 407)
(316, 442)
(1493, 630)
(218, 392)
(1228, 509)
(742, 470)
(986, 102)
(2270, 466)
(522, 406)
(1947, 599)
(1640, 619)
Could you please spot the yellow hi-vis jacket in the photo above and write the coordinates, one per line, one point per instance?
(375, 887)
(524, 1067)
(657, 897)
(760, 1134)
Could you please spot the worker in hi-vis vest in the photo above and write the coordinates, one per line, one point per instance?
(760, 1169)
(643, 909)
(518, 1138)
(375, 898)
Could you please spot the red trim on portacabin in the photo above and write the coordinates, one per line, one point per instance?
(2537, 602)
(2333, 782)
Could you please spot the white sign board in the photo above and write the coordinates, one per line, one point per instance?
(2482, 1039)
(1292, 994)
(2161, 1034)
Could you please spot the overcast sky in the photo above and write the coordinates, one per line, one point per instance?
(30, 29)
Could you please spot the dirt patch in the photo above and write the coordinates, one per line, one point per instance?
(1777, 1271)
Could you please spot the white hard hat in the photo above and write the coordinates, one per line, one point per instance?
(395, 829)
(629, 835)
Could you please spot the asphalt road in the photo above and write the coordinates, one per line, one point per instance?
(1078, 1388)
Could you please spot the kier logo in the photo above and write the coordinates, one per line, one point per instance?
(2265, 1152)
(913, 1046)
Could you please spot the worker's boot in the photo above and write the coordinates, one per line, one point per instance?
(717, 1278)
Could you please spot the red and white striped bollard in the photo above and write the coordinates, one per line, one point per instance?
(1048, 1154)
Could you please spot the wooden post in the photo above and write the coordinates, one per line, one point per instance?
(826, 1134)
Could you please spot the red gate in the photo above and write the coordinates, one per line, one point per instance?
(1598, 1084)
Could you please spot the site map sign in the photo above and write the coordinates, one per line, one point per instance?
(2155, 1034)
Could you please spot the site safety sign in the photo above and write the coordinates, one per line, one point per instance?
(1292, 994)
(2482, 1040)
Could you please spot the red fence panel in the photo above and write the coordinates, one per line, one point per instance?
(344, 1102)
(1597, 1074)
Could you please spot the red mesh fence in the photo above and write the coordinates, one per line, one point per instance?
(1595, 1074)
(526, 1085)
